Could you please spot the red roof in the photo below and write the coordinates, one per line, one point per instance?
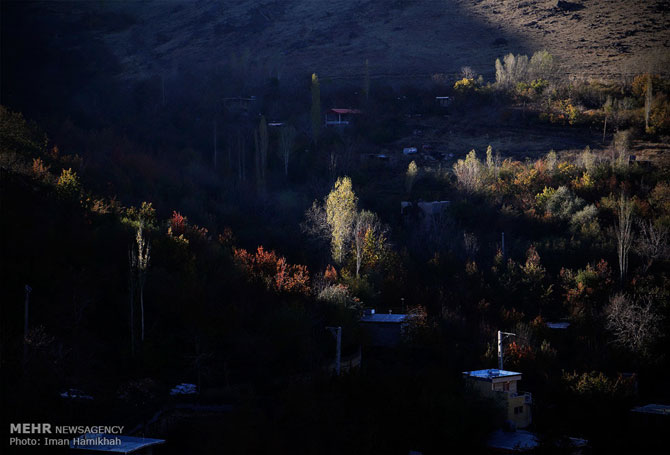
(345, 111)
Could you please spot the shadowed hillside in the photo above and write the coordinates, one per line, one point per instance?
(401, 38)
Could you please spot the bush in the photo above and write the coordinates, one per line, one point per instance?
(68, 183)
(465, 86)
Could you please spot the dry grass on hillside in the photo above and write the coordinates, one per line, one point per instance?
(401, 38)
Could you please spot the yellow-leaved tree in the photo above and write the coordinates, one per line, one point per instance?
(340, 215)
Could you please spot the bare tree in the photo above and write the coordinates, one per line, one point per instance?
(652, 243)
(468, 172)
(316, 222)
(635, 325)
(468, 73)
(132, 289)
(624, 232)
(142, 268)
(621, 148)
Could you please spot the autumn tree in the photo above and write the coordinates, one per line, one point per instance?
(551, 161)
(366, 226)
(286, 141)
(410, 176)
(468, 172)
(511, 70)
(341, 205)
(492, 163)
(273, 271)
(541, 66)
(68, 183)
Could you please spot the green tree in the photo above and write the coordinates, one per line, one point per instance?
(340, 215)
(316, 108)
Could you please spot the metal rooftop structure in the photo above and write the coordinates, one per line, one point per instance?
(384, 318)
(516, 441)
(558, 325)
(492, 373)
(658, 409)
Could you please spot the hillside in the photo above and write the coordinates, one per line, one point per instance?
(400, 38)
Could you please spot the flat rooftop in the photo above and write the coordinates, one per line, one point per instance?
(516, 441)
(384, 318)
(491, 373)
(658, 409)
(558, 325)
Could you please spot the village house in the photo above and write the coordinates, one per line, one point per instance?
(341, 117)
(384, 330)
(502, 385)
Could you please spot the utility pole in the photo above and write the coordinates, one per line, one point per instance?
(503, 245)
(501, 337)
(25, 325)
(337, 332)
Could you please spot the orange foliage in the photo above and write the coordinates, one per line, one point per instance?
(273, 270)
(516, 353)
(227, 238)
(40, 170)
(177, 223)
(330, 274)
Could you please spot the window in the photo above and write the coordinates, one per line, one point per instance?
(518, 410)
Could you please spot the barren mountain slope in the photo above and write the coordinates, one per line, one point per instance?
(401, 38)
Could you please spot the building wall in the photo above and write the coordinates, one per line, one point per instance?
(518, 411)
(383, 334)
